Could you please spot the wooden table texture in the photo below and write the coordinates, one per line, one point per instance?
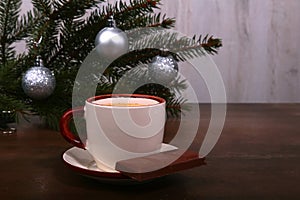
(256, 157)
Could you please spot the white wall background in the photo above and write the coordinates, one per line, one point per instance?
(260, 60)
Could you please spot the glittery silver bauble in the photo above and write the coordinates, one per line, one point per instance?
(111, 42)
(38, 82)
(163, 70)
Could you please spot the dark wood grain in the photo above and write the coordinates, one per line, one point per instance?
(257, 157)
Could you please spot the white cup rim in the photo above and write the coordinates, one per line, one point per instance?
(92, 100)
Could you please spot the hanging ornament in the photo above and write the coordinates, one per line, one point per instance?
(38, 82)
(163, 69)
(111, 42)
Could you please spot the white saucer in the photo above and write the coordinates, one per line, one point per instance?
(80, 161)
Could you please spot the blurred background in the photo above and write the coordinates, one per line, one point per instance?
(260, 58)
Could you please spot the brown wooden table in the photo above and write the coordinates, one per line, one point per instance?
(257, 157)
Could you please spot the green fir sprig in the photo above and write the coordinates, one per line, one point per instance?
(68, 29)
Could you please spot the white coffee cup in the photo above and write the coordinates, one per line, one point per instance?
(119, 127)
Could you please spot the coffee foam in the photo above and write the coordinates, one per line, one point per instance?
(126, 102)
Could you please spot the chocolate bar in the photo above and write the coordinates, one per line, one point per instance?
(165, 163)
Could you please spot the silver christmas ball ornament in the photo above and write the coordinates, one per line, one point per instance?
(38, 82)
(163, 70)
(111, 42)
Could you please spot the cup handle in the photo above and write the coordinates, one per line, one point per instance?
(65, 129)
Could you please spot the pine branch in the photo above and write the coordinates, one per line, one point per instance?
(44, 6)
(166, 23)
(12, 103)
(9, 10)
(210, 44)
(26, 25)
(61, 19)
(183, 48)
(175, 106)
(66, 9)
(9, 88)
(135, 14)
(69, 38)
(137, 6)
(87, 31)
(136, 79)
(147, 43)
